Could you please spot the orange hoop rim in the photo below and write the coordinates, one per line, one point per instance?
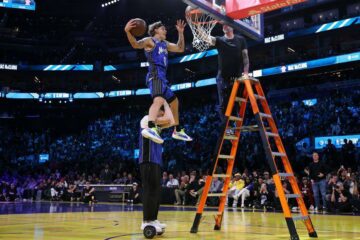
(198, 11)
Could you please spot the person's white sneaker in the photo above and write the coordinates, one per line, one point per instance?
(162, 225)
(151, 223)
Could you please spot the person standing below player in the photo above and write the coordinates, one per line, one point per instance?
(156, 50)
(233, 62)
(150, 160)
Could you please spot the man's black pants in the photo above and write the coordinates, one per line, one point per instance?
(150, 178)
(224, 87)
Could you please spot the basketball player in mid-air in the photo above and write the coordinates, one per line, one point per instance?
(156, 50)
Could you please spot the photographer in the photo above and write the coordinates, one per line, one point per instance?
(340, 199)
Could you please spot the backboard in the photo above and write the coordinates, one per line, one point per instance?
(245, 16)
(251, 27)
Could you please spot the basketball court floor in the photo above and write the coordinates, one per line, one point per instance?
(75, 221)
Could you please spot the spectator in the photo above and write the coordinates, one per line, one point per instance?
(266, 197)
(89, 194)
(307, 193)
(235, 187)
(106, 175)
(164, 179)
(180, 193)
(317, 173)
(173, 182)
(245, 192)
(130, 179)
(134, 196)
(340, 199)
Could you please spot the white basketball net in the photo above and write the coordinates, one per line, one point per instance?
(201, 25)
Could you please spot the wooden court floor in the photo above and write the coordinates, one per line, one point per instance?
(64, 221)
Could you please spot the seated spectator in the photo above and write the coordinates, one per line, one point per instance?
(130, 179)
(340, 199)
(216, 187)
(164, 179)
(235, 187)
(197, 193)
(71, 192)
(266, 197)
(88, 194)
(307, 193)
(134, 195)
(193, 186)
(180, 193)
(245, 192)
(118, 179)
(269, 181)
(2, 192)
(173, 182)
(54, 191)
(11, 193)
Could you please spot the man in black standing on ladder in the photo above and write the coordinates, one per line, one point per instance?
(233, 63)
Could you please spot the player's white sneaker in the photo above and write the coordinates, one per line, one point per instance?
(152, 134)
(181, 135)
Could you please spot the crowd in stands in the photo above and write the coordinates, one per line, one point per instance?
(104, 153)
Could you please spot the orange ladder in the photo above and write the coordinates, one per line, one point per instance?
(251, 90)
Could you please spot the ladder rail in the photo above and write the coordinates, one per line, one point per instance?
(242, 110)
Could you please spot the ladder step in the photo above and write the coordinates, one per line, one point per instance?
(265, 115)
(233, 118)
(230, 138)
(296, 218)
(238, 99)
(216, 194)
(292, 195)
(259, 97)
(252, 80)
(278, 154)
(270, 134)
(286, 174)
(250, 128)
(221, 175)
(226, 156)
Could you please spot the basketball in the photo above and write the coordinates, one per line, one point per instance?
(140, 28)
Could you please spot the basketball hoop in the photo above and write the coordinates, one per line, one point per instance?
(201, 25)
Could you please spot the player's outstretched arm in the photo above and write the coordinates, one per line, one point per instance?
(146, 43)
(180, 45)
(204, 36)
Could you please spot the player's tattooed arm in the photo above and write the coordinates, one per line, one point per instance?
(246, 61)
(146, 43)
